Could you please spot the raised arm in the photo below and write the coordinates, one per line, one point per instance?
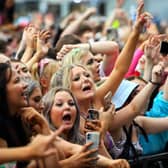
(42, 47)
(72, 28)
(139, 102)
(38, 148)
(124, 59)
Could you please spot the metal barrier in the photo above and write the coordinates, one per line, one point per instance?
(151, 161)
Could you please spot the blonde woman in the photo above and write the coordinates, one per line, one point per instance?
(43, 71)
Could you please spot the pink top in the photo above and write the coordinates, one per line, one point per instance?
(137, 55)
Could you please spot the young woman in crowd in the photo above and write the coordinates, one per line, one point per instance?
(12, 98)
(14, 130)
(34, 95)
(79, 80)
(61, 108)
(43, 71)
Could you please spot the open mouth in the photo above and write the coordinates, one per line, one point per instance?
(86, 88)
(24, 94)
(66, 117)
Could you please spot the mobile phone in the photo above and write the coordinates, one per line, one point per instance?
(93, 114)
(107, 100)
(93, 137)
(164, 48)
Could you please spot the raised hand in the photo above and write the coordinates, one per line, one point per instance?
(42, 145)
(34, 120)
(64, 50)
(42, 42)
(152, 49)
(157, 73)
(142, 18)
(106, 118)
(30, 36)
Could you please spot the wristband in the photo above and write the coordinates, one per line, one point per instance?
(154, 83)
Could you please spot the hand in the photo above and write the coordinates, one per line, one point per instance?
(30, 36)
(64, 50)
(35, 120)
(119, 163)
(83, 158)
(157, 73)
(119, 3)
(42, 46)
(152, 50)
(42, 145)
(142, 18)
(90, 11)
(106, 117)
(92, 125)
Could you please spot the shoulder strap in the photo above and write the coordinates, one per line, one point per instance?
(142, 130)
(128, 144)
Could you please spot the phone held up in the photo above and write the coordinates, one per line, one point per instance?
(93, 114)
(164, 48)
(93, 137)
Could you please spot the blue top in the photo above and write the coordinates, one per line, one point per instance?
(158, 141)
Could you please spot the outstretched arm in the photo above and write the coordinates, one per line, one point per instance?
(40, 147)
(72, 28)
(124, 59)
(139, 102)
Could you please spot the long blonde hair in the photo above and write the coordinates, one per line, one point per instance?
(63, 76)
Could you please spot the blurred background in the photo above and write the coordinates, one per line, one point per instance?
(23, 10)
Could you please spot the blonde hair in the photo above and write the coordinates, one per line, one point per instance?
(48, 70)
(63, 76)
(75, 56)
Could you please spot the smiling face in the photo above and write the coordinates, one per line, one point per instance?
(82, 84)
(63, 111)
(16, 91)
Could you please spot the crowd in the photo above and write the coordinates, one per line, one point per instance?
(52, 77)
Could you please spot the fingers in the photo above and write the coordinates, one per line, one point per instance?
(57, 133)
(86, 146)
(49, 152)
(120, 163)
(140, 8)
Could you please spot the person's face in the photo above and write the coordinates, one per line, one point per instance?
(21, 69)
(93, 65)
(16, 91)
(82, 84)
(35, 100)
(63, 111)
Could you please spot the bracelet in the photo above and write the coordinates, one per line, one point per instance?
(154, 83)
